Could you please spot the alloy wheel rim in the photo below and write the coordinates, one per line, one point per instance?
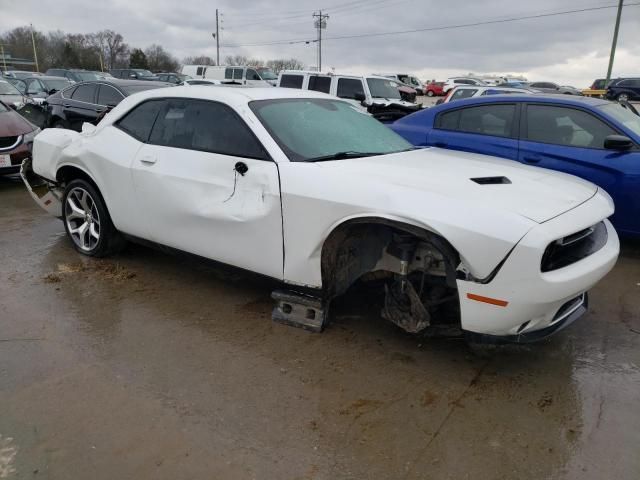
(623, 98)
(82, 218)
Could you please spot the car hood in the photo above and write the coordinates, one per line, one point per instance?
(534, 193)
(13, 124)
(12, 99)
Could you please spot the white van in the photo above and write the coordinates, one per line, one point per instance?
(194, 71)
(241, 75)
(370, 89)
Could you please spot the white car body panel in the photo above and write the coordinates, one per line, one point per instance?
(281, 213)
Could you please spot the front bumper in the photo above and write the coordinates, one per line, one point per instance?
(531, 300)
(44, 193)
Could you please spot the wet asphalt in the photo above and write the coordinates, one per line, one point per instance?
(150, 365)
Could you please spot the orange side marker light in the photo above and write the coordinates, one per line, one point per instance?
(489, 300)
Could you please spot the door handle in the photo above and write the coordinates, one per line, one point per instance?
(148, 160)
(66, 105)
(532, 159)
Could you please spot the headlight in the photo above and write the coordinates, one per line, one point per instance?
(28, 138)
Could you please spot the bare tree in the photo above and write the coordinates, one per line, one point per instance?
(158, 59)
(200, 60)
(285, 64)
(117, 52)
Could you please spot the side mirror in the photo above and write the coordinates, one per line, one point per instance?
(52, 91)
(618, 142)
(359, 96)
(88, 128)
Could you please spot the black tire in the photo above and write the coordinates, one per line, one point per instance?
(622, 97)
(96, 218)
(429, 93)
(59, 124)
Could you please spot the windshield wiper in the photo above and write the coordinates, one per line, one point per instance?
(343, 156)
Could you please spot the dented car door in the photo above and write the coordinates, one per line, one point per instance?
(207, 186)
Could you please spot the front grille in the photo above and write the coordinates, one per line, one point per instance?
(9, 142)
(573, 248)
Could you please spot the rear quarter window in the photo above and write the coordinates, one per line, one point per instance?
(139, 121)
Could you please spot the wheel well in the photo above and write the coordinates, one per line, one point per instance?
(68, 173)
(360, 246)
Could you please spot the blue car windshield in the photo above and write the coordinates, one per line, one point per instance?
(624, 116)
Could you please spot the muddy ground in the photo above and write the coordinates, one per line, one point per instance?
(151, 365)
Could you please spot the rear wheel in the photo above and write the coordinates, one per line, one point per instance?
(429, 93)
(87, 221)
(623, 97)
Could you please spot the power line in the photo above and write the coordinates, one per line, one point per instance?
(432, 29)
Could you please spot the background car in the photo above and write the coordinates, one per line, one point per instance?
(10, 95)
(457, 81)
(133, 74)
(469, 91)
(434, 89)
(175, 78)
(591, 138)
(16, 138)
(550, 87)
(76, 75)
(201, 81)
(20, 74)
(40, 87)
(89, 101)
(18, 83)
(624, 89)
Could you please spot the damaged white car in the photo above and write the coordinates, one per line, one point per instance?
(304, 188)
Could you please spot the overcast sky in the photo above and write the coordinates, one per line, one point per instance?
(569, 49)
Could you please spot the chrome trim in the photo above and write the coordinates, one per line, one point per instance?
(17, 144)
(585, 233)
(578, 303)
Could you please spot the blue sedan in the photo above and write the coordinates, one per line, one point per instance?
(591, 138)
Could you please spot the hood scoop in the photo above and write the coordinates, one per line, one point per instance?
(490, 180)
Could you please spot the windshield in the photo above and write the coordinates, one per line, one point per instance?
(267, 74)
(56, 84)
(307, 128)
(623, 115)
(7, 89)
(144, 73)
(381, 88)
(87, 76)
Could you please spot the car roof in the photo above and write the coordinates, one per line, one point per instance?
(46, 77)
(574, 100)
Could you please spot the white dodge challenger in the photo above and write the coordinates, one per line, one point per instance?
(304, 188)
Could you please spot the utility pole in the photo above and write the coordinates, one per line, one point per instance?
(35, 54)
(217, 39)
(320, 24)
(4, 59)
(613, 45)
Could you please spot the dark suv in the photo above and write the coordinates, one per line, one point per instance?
(133, 74)
(624, 89)
(75, 75)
